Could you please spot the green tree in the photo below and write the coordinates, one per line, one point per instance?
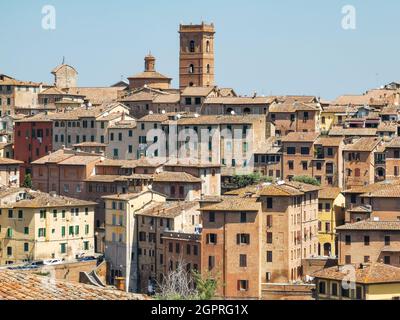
(27, 181)
(205, 286)
(242, 181)
(307, 179)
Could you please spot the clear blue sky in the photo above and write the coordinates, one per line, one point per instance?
(272, 47)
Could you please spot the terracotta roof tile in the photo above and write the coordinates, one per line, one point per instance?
(371, 225)
(367, 274)
(366, 144)
(167, 176)
(19, 285)
(329, 193)
(300, 137)
(352, 132)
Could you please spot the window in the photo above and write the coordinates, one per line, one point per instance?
(192, 46)
(86, 245)
(243, 285)
(211, 238)
(305, 150)
(348, 259)
(243, 238)
(10, 214)
(304, 164)
(291, 150)
(195, 250)
(42, 232)
(366, 240)
(26, 230)
(291, 165)
(269, 256)
(211, 217)
(334, 289)
(243, 217)
(269, 237)
(270, 203)
(386, 259)
(345, 292)
(327, 227)
(348, 240)
(63, 248)
(322, 287)
(26, 247)
(387, 240)
(9, 251)
(243, 261)
(208, 68)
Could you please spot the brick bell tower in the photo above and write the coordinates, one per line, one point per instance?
(196, 61)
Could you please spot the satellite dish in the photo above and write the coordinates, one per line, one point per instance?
(196, 115)
(163, 112)
(233, 112)
(89, 104)
(179, 116)
(151, 112)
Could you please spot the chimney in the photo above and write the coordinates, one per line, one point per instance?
(120, 284)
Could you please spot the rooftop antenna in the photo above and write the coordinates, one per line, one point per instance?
(63, 61)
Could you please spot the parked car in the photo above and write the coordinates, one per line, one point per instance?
(34, 265)
(52, 262)
(88, 258)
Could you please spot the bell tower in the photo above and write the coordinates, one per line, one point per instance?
(196, 61)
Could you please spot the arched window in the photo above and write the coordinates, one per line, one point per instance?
(191, 68)
(246, 111)
(191, 84)
(208, 68)
(191, 46)
(208, 46)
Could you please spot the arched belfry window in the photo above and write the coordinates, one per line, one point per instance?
(208, 68)
(191, 68)
(208, 46)
(191, 46)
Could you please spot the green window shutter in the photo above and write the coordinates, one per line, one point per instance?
(77, 230)
(63, 231)
(71, 231)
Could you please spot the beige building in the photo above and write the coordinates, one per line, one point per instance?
(65, 76)
(86, 124)
(37, 226)
(15, 94)
(9, 172)
(121, 240)
(123, 143)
